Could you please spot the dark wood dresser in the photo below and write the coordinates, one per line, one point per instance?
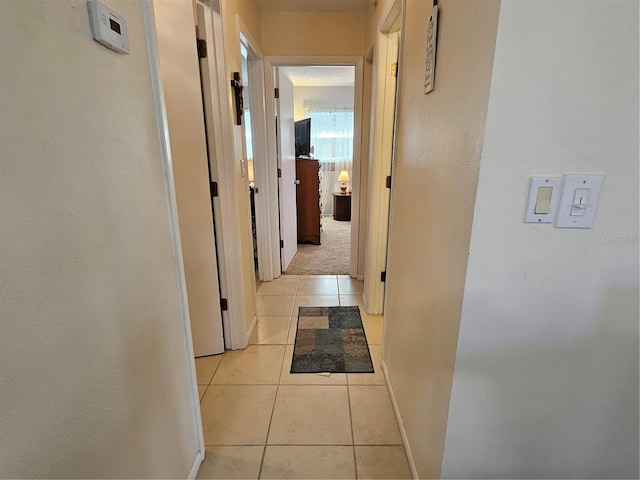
(308, 200)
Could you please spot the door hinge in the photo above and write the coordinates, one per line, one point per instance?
(383, 276)
(388, 182)
(202, 48)
(394, 70)
(276, 93)
(279, 172)
(281, 243)
(224, 304)
(213, 186)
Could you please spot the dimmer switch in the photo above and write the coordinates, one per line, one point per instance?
(580, 194)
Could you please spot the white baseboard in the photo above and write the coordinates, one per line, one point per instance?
(196, 465)
(403, 433)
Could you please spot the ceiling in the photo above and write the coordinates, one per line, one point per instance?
(313, 5)
(320, 76)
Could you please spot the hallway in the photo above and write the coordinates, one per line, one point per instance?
(260, 421)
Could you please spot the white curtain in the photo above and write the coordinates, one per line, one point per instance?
(332, 143)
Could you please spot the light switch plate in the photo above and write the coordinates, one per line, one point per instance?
(579, 200)
(535, 198)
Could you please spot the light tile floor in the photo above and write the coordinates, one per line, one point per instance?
(260, 421)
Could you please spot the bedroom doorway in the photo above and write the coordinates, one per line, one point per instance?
(327, 95)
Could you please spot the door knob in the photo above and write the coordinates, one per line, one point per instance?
(297, 182)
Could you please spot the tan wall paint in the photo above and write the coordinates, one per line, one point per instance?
(439, 138)
(313, 33)
(181, 81)
(93, 366)
(546, 377)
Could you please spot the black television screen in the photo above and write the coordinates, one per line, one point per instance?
(303, 137)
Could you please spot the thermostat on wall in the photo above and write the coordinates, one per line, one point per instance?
(108, 28)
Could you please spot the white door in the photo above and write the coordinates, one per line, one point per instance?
(287, 165)
(383, 124)
(208, 83)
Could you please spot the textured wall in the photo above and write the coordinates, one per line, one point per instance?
(93, 367)
(546, 377)
(313, 33)
(438, 141)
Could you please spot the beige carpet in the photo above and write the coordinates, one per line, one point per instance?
(331, 257)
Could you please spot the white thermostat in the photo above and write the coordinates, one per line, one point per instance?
(108, 28)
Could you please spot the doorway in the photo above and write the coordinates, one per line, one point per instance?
(329, 94)
(323, 112)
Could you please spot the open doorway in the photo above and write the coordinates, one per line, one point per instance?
(316, 108)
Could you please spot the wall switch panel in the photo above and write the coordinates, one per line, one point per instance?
(543, 199)
(578, 202)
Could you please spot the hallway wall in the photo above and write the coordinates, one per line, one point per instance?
(546, 377)
(94, 368)
(438, 142)
(313, 33)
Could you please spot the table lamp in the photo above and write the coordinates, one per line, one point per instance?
(343, 178)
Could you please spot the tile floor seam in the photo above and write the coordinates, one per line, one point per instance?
(353, 438)
(273, 408)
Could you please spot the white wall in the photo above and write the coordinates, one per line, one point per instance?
(546, 376)
(94, 375)
(341, 97)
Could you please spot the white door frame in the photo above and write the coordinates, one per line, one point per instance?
(255, 86)
(383, 109)
(222, 156)
(273, 212)
(165, 150)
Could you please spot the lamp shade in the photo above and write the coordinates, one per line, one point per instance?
(344, 176)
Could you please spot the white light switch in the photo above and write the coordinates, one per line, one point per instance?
(543, 198)
(580, 194)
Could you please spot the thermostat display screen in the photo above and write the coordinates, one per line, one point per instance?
(115, 26)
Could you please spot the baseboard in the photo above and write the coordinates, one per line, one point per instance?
(403, 433)
(196, 465)
(252, 327)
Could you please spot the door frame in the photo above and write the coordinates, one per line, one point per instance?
(271, 62)
(174, 229)
(255, 86)
(383, 121)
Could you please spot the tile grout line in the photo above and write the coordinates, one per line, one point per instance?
(353, 437)
(273, 409)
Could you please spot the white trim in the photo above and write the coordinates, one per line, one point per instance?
(355, 184)
(271, 62)
(196, 466)
(165, 151)
(255, 66)
(383, 107)
(396, 411)
(221, 147)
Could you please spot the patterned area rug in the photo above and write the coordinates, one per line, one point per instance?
(331, 339)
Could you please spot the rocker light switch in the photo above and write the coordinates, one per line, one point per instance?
(543, 198)
(543, 201)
